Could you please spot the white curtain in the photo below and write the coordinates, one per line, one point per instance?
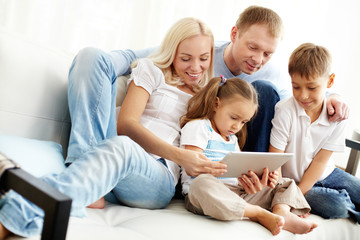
(69, 25)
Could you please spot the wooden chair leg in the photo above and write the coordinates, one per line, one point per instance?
(354, 156)
(55, 204)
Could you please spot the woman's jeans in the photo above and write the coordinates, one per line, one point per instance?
(337, 196)
(100, 160)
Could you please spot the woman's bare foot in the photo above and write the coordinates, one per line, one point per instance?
(294, 223)
(99, 204)
(3, 232)
(274, 223)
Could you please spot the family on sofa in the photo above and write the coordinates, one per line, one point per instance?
(135, 159)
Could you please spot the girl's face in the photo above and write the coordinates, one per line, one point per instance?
(192, 59)
(231, 115)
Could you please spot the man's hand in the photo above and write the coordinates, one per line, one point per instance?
(337, 109)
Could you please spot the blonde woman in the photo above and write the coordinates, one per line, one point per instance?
(139, 167)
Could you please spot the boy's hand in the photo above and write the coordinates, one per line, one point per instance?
(273, 179)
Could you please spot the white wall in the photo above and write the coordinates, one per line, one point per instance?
(69, 25)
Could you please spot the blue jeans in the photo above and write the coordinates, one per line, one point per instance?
(337, 196)
(259, 129)
(100, 160)
(117, 164)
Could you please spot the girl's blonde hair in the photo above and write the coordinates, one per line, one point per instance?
(183, 29)
(202, 104)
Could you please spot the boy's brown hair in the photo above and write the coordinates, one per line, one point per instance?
(310, 61)
(260, 15)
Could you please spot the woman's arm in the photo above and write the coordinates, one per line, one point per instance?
(129, 124)
(315, 170)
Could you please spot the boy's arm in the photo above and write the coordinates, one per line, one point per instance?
(273, 177)
(273, 149)
(315, 170)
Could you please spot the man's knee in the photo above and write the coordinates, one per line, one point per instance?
(267, 92)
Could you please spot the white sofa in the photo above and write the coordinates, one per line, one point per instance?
(33, 106)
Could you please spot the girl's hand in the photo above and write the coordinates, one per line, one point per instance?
(273, 179)
(252, 184)
(195, 163)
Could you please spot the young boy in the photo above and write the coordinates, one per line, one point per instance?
(301, 126)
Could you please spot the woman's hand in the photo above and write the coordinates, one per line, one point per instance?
(252, 184)
(196, 163)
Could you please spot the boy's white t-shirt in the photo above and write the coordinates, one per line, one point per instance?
(293, 132)
(164, 108)
(199, 133)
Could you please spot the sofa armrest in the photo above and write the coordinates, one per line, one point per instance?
(56, 205)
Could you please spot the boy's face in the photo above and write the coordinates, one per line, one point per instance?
(310, 93)
(253, 48)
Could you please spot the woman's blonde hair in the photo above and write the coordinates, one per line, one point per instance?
(310, 61)
(202, 104)
(183, 29)
(260, 15)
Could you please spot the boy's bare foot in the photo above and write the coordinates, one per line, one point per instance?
(274, 223)
(3, 232)
(99, 204)
(294, 223)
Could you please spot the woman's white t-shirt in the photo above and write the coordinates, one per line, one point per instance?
(164, 108)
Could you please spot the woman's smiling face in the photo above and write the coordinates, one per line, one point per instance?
(192, 59)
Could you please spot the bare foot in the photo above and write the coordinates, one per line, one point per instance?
(99, 204)
(294, 223)
(3, 232)
(274, 223)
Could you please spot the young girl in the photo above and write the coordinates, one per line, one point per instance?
(140, 167)
(215, 115)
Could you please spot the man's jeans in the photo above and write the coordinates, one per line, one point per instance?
(337, 196)
(259, 129)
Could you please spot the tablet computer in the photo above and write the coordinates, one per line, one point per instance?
(239, 163)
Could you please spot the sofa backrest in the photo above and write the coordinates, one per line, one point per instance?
(33, 90)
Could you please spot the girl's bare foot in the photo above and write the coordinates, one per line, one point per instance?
(294, 223)
(3, 232)
(99, 204)
(274, 223)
